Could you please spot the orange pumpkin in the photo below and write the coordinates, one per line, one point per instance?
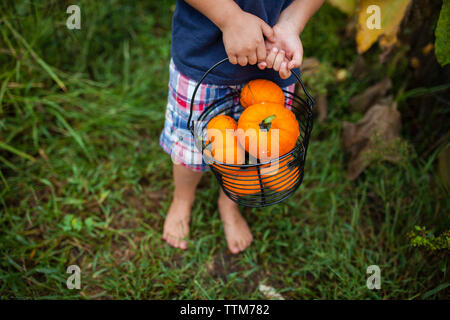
(222, 142)
(260, 123)
(279, 175)
(242, 182)
(261, 91)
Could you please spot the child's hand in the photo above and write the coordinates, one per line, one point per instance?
(277, 60)
(243, 37)
(286, 51)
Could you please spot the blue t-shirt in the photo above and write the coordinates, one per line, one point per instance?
(197, 44)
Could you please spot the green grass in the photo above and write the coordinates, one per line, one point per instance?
(83, 179)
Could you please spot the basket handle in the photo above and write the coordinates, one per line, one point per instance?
(309, 99)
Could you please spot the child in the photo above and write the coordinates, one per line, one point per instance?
(250, 32)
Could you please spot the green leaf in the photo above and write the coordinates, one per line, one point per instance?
(77, 224)
(442, 38)
(436, 290)
(90, 224)
(66, 224)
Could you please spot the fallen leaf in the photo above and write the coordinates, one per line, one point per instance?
(391, 16)
(363, 101)
(377, 132)
(270, 292)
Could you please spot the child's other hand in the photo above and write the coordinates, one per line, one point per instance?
(243, 38)
(286, 51)
(277, 60)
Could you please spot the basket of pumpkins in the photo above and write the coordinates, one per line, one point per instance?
(255, 140)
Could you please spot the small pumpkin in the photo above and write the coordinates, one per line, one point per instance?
(256, 127)
(261, 91)
(242, 182)
(280, 175)
(222, 142)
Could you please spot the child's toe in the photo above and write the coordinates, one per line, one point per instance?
(183, 244)
(176, 243)
(234, 248)
(171, 241)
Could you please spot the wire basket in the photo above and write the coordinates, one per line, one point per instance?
(256, 184)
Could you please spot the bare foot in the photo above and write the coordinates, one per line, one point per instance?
(176, 225)
(237, 232)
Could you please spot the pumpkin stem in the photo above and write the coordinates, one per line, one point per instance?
(267, 122)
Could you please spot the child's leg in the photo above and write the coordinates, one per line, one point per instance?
(236, 229)
(176, 225)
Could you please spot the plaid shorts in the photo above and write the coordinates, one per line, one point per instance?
(176, 139)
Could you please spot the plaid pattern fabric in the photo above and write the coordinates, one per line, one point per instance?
(176, 139)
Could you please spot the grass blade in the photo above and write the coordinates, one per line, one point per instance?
(72, 132)
(41, 62)
(436, 290)
(19, 153)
